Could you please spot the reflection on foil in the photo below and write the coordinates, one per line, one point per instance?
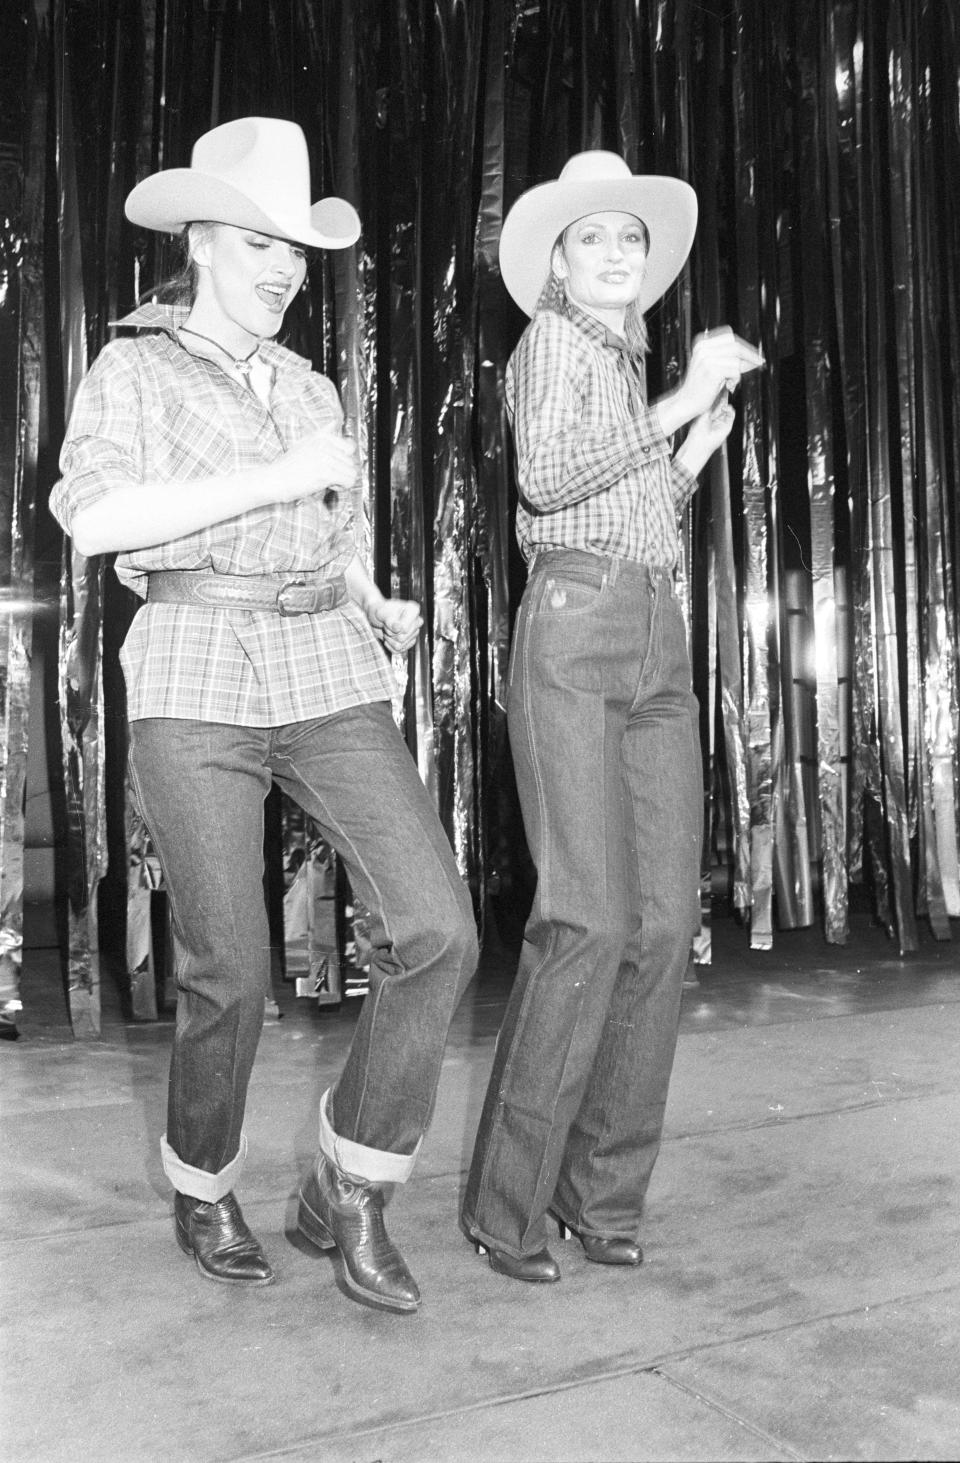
(757, 610)
(21, 373)
(889, 704)
(81, 645)
(827, 757)
(325, 929)
(81, 591)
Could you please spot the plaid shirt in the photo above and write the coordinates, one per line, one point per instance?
(149, 412)
(594, 467)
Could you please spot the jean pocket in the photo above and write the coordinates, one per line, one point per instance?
(566, 594)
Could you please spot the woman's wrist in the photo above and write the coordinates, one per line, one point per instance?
(687, 456)
(672, 411)
(373, 601)
(361, 588)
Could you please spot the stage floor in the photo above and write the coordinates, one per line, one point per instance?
(800, 1298)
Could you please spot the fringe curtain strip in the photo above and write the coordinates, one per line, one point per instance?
(820, 557)
(21, 353)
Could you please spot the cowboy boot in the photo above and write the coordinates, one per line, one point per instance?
(339, 1210)
(217, 1237)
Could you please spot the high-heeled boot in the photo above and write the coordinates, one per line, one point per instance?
(337, 1209)
(538, 1269)
(217, 1237)
(602, 1250)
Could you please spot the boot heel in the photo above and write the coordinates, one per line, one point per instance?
(313, 1228)
(563, 1230)
(340, 1212)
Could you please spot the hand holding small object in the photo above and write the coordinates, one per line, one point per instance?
(323, 460)
(722, 410)
(718, 360)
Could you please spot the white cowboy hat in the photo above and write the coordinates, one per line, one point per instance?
(596, 182)
(254, 173)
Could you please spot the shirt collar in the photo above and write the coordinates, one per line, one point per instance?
(154, 317)
(595, 328)
(169, 318)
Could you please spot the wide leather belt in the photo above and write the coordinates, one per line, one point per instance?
(285, 594)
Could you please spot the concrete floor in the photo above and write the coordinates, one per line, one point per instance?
(800, 1297)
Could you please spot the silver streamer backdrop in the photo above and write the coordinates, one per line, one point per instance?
(820, 557)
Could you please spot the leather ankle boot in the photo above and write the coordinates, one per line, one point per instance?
(538, 1269)
(604, 1251)
(338, 1210)
(217, 1237)
(611, 1251)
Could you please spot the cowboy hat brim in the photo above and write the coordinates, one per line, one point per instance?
(667, 206)
(170, 200)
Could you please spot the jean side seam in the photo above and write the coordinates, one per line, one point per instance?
(606, 1128)
(182, 959)
(236, 1026)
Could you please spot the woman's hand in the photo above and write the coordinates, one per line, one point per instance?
(718, 360)
(326, 459)
(395, 622)
(707, 432)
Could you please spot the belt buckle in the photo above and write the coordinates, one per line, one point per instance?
(284, 607)
(307, 599)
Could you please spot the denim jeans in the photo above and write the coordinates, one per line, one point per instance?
(604, 734)
(201, 790)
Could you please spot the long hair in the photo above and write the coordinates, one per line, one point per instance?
(180, 288)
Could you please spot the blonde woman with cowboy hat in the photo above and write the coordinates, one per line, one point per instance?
(213, 462)
(602, 720)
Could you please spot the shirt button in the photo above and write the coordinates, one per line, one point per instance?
(647, 451)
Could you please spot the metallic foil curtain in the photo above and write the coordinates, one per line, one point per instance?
(819, 557)
(23, 120)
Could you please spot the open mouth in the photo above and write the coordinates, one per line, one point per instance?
(273, 296)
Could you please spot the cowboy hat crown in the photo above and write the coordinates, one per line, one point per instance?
(253, 173)
(597, 182)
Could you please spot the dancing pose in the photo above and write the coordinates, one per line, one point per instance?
(213, 461)
(602, 720)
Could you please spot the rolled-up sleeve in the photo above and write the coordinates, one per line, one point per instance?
(103, 448)
(562, 458)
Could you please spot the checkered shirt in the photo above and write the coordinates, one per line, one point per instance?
(593, 465)
(149, 412)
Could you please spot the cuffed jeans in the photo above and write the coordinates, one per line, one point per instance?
(603, 729)
(201, 790)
